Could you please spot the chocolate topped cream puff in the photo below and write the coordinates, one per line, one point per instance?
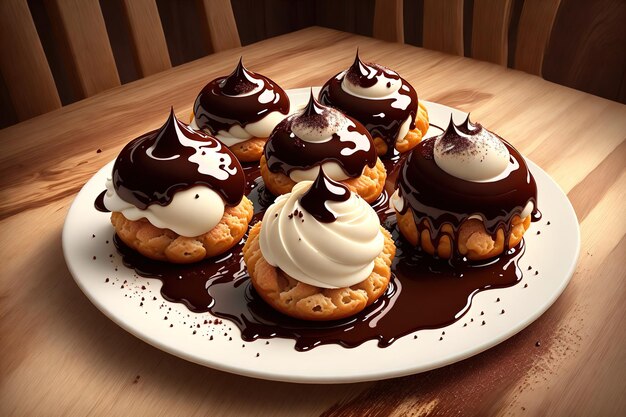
(178, 195)
(466, 193)
(385, 103)
(319, 252)
(241, 110)
(316, 137)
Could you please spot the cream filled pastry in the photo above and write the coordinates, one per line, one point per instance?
(466, 192)
(327, 245)
(241, 110)
(175, 191)
(385, 103)
(320, 137)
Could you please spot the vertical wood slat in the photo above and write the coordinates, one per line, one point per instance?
(490, 30)
(389, 20)
(149, 45)
(80, 26)
(443, 26)
(219, 25)
(535, 27)
(23, 62)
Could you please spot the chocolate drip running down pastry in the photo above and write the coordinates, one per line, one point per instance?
(240, 106)
(319, 136)
(465, 173)
(177, 195)
(376, 96)
(152, 168)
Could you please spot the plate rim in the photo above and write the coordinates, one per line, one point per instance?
(316, 379)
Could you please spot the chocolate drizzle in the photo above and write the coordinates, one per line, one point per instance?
(381, 117)
(153, 167)
(323, 190)
(232, 100)
(285, 151)
(440, 198)
(424, 292)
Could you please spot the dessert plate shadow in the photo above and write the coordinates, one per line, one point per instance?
(136, 305)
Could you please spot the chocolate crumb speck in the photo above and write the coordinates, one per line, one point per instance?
(536, 272)
(94, 258)
(415, 337)
(525, 285)
(482, 313)
(530, 267)
(230, 338)
(483, 323)
(211, 338)
(267, 342)
(141, 304)
(171, 325)
(194, 332)
(538, 232)
(257, 355)
(548, 224)
(472, 320)
(498, 300)
(165, 318)
(443, 333)
(464, 324)
(154, 298)
(502, 312)
(92, 236)
(441, 338)
(106, 280)
(538, 343)
(197, 196)
(98, 150)
(143, 287)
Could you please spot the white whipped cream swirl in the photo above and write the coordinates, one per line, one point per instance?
(326, 255)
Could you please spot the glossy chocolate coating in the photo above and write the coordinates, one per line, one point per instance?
(286, 152)
(221, 105)
(423, 293)
(441, 198)
(381, 117)
(322, 190)
(153, 167)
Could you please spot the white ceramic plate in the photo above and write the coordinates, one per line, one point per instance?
(118, 293)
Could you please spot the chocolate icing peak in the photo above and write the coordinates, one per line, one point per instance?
(322, 190)
(153, 167)
(364, 75)
(240, 81)
(235, 100)
(459, 138)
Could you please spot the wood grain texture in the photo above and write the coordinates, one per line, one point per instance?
(219, 25)
(490, 30)
(60, 356)
(587, 48)
(149, 46)
(535, 26)
(443, 26)
(23, 63)
(80, 28)
(389, 20)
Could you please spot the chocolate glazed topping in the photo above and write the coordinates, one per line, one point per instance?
(151, 168)
(286, 152)
(423, 293)
(379, 116)
(221, 105)
(322, 190)
(441, 198)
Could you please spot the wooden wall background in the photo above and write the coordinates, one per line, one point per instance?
(587, 50)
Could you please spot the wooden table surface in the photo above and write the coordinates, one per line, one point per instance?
(60, 356)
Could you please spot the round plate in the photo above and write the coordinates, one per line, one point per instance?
(136, 305)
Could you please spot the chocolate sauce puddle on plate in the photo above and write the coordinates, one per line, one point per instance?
(424, 292)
